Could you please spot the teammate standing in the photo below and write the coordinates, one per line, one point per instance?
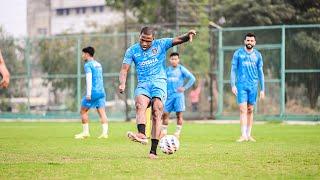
(246, 72)
(176, 74)
(149, 57)
(95, 94)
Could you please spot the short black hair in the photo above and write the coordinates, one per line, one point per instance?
(174, 54)
(89, 50)
(250, 34)
(147, 31)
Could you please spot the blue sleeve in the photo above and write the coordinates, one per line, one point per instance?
(128, 57)
(87, 68)
(260, 72)
(166, 43)
(186, 73)
(234, 67)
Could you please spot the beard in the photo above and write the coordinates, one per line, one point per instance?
(249, 46)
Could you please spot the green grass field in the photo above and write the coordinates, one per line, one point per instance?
(48, 151)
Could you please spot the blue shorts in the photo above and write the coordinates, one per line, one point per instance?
(175, 103)
(96, 103)
(152, 89)
(247, 93)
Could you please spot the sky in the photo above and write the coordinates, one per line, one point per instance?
(13, 17)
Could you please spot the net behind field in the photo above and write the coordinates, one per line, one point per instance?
(48, 80)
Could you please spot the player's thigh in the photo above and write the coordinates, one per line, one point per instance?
(179, 104)
(86, 104)
(159, 90)
(242, 96)
(143, 88)
(252, 96)
(142, 101)
(169, 104)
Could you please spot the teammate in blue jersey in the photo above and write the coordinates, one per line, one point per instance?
(176, 76)
(149, 57)
(95, 94)
(246, 74)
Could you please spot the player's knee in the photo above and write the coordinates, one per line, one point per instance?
(243, 110)
(139, 105)
(250, 109)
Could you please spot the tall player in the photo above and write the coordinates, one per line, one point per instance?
(176, 74)
(5, 80)
(149, 57)
(246, 73)
(95, 94)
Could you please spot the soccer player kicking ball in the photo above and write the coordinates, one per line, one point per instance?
(149, 57)
(246, 72)
(95, 94)
(176, 75)
(4, 73)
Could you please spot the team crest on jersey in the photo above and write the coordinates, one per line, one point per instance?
(154, 51)
(253, 56)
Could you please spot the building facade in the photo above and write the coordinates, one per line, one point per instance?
(54, 17)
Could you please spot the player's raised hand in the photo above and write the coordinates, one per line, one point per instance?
(234, 90)
(192, 33)
(261, 95)
(122, 87)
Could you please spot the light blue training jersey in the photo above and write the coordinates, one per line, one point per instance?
(95, 68)
(176, 77)
(246, 68)
(150, 63)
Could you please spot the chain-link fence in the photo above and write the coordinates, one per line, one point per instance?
(48, 79)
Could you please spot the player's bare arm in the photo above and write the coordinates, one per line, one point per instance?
(184, 38)
(123, 77)
(4, 73)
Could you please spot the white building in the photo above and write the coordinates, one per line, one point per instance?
(53, 17)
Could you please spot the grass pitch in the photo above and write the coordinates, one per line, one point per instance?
(48, 151)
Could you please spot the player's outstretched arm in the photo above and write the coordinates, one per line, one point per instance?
(4, 83)
(123, 77)
(184, 38)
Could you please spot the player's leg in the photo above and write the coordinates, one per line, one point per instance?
(85, 124)
(242, 99)
(250, 122)
(179, 124)
(141, 104)
(103, 118)
(252, 97)
(159, 96)
(179, 107)
(157, 110)
(168, 107)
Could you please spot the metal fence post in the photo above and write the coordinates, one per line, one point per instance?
(220, 75)
(28, 66)
(283, 61)
(78, 72)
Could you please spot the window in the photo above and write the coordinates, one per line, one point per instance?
(101, 8)
(59, 12)
(94, 9)
(83, 10)
(42, 31)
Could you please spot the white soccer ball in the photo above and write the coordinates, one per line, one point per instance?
(169, 144)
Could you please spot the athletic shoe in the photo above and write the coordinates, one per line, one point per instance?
(250, 138)
(81, 136)
(137, 137)
(242, 139)
(103, 136)
(153, 156)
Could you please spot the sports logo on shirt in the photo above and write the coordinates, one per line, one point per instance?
(154, 51)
